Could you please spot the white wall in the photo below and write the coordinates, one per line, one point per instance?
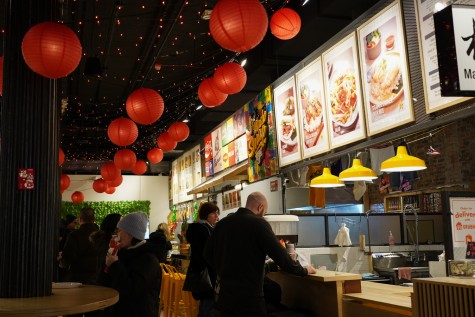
(133, 187)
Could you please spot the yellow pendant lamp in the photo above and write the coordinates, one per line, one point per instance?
(326, 180)
(357, 172)
(403, 162)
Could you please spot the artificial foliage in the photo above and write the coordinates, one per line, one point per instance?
(103, 208)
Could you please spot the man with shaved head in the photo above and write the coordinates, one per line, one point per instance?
(237, 250)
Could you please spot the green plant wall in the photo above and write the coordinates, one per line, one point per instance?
(103, 208)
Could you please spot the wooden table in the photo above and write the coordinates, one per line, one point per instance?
(63, 302)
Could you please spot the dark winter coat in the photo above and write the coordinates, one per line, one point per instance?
(158, 238)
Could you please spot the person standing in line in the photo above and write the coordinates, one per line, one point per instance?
(237, 249)
(161, 237)
(197, 235)
(80, 257)
(135, 270)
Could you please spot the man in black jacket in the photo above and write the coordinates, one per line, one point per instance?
(80, 257)
(237, 249)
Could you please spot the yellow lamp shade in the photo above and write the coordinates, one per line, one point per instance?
(326, 180)
(403, 162)
(357, 172)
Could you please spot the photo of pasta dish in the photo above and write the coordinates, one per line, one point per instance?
(385, 79)
(343, 98)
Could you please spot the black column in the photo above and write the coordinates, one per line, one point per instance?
(29, 138)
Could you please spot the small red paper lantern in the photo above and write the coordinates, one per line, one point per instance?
(139, 168)
(165, 142)
(109, 171)
(144, 106)
(99, 185)
(116, 182)
(238, 25)
(122, 132)
(285, 24)
(1, 75)
(64, 182)
(178, 131)
(61, 157)
(110, 190)
(51, 49)
(77, 197)
(155, 155)
(125, 159)
(209, 94)
(230, 78)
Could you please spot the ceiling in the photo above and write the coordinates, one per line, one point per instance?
(129, 37)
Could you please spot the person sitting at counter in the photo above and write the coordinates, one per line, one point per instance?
(237, 249)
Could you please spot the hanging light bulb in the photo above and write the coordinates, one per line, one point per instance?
(357, 172)
(403, 162)
(326, 180)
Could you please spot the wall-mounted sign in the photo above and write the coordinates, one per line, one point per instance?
(455, 37)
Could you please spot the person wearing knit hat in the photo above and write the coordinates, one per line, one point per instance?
(135, 271)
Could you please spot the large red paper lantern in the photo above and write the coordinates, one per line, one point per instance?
(64, 182)
(122, 132)
(230, 78)
(178, 131)
(144, 106)
(1, 75)
(116, 182)
(238, 25)
(125, 159)
(109, 171)
(209, 94)
(61, 157)
(139, 168)
(155, 155)
(51, 49)
(110, 190)
(165, 142)
(99, 185)
(77, 197)
(285, 24)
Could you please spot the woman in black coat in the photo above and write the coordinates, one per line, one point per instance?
(197, 235)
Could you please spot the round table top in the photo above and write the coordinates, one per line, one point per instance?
(64, 301)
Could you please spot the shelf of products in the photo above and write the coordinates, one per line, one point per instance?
(426, 201)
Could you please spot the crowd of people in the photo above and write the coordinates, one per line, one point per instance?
(233, 252)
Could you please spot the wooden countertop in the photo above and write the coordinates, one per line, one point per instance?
(332, 276)
(397, 297)
(65, 301)
(453, 281)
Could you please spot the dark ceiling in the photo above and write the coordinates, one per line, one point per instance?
(129, 37)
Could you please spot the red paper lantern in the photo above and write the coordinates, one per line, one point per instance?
(110, 190)
(178, 131)
(230, 78)
(165, 142)
(125, 159)
(139, 168)
(285, 24)
(116, 182)
(145, 106)
(155, 155)
(238, 25)
(51, 49)
(209, 94)
(122, 132)
(109, 171)
(99, 185)
(1, 75)
(61, 157)
(77, 197)
(64, 182)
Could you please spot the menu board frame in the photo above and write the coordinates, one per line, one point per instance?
(287, 118)
(340, 58)
(385, 53)
(428, 55)
(313, 129)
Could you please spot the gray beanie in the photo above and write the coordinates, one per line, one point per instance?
(134, 224)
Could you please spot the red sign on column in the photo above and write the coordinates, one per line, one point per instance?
(26, 178)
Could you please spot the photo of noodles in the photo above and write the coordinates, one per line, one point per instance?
(385, 79)
(343, 98)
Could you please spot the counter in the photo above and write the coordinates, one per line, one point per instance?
(320, 293)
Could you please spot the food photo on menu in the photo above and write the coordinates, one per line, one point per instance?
(288, 130)
(313, 119)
